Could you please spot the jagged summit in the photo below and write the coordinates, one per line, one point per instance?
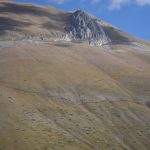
(82, 26)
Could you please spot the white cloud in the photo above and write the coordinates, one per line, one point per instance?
(112, 4)
(143, 2)
(95, 1)
(117, 4)
(59, 1)
(82, 1)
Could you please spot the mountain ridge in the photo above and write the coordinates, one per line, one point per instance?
(56, 25)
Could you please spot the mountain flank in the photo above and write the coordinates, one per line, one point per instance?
(69, 81)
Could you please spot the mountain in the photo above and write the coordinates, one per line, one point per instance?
(69, 81)
(81, 26)
(28, 21)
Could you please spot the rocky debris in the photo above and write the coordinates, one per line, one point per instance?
(81, 26)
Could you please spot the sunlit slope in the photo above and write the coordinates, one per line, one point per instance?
(64, 96)
(57, 95)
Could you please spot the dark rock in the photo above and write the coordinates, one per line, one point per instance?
(82, 26)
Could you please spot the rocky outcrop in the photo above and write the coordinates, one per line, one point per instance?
(81, 26)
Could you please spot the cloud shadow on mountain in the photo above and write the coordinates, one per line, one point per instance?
(115, 35)
(8, 24)
(31, 10)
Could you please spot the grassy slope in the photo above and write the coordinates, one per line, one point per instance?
(19, 21)
(69, 96)
(72, 96)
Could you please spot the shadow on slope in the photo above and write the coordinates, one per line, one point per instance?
(31, 10)
(63, 45)
(53, 26)
(8, 24)
(117, 37)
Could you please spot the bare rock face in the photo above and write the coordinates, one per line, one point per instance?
(81, 26)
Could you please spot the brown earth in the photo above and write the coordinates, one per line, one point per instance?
(57, 95)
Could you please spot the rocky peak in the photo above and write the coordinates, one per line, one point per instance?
(82, 26)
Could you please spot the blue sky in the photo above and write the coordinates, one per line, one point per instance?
(132, 16)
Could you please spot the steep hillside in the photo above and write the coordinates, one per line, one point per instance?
(57, 94)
